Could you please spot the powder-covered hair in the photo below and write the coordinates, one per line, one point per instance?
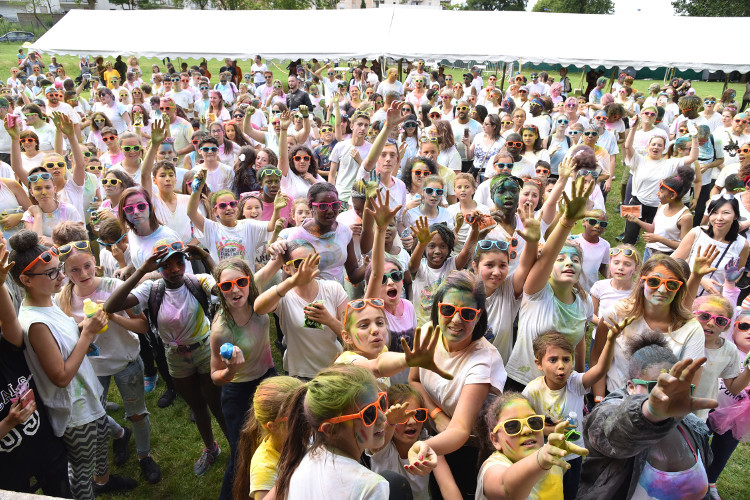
(646, 350)
(682, 181)
(716, 301)
(463, 281)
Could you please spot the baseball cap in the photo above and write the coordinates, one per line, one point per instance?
(173, 247)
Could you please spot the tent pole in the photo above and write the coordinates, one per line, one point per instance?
(726, 82)
(615, 70)
(502, 81)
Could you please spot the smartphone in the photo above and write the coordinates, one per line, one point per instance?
(466, 132)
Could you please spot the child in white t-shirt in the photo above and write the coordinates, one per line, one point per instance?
(559, 393)
(624, 264)
(465, 186)
(595, 248)
(406, 416)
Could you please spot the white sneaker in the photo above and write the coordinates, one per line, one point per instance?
(713, 492)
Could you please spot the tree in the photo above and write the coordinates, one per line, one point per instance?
(495, 5)
(712, 8)
(575, 6)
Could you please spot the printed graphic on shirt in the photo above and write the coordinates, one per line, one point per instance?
(230, 247)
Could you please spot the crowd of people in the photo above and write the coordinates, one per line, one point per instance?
(431, 256)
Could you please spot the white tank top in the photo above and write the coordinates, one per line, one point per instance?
(666, 227)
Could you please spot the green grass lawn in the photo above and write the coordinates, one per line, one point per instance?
(175, 441)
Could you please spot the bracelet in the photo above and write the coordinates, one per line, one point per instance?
(277, 292)
(435, 412)
(598, 399)
(540, 463)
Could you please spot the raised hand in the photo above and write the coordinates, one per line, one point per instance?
(532, 231)
(615, 329)
(421, 229)
(15, 130)
(672, 396)
(703, 260)
(304, 111)
(731, 271)
(565, 169)
(557, 447)
(307, 271)
(5, 267)
(423, 354)
(158, 131)
(575, 207)
(150, 265)
(459, 220)
(399, 413)
(393, 114)
(381, 211)
(195, 252)
(280, 201)
(63, 123)
(286, 119)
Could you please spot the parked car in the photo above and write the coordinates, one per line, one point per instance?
(18, 36)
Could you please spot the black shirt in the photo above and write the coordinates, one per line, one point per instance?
(297, 98)
(30, 448)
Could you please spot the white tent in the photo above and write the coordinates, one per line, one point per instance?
(567, 39)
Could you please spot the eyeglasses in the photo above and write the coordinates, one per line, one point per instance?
(238, 115)
(165, 108)
(95, 167)
(503, 246)
(226, 286)
(27, 140)
(590, 133)
(542, 171)
(503, 166)
(514, 144)
(45, 257)
(203, 88)
(593, 173)
(325, 130)
(574, 132)
(177, 246)
(649, 113)
(270, 171)
(29, 115)
(195, 142)
(109, 138)
(738, 120)
(436, 191)
(99, 240)
(421, 173)
(705, 317)
(435, 115)
(54, 164)
(462, 108)
(627, 252)
(600, 118)
(99, 120)
(140, 207)
(563, 122)
(87, 154)
(514, 426)
(662, 185)
(741, 326)
(45, 176)
(368, 415)
(655, 282)
(325, 206)
(593, 222)
(360, 304)
(650, 384)
(301, 158)
(394, 276)
(682, 130)
(78, 245)
(523, 91)
(210, 149)
(111, 182)
(506, 123)
(224, 204)
(466, 313)
(128, 149)
(295, 263)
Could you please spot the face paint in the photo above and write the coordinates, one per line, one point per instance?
(660, 296)
(455, 330)
(522, 444)
(567, 267)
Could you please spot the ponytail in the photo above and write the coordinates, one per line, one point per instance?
(250, 437)
(295, 444)
(65, 298)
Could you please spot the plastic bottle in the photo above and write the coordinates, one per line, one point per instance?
(227, 350)
(89, 309)
(573, 418)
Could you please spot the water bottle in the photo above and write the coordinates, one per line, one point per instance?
(227, 350)
(573, 418)
(89, 309)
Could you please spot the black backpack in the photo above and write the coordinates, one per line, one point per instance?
(156, 297)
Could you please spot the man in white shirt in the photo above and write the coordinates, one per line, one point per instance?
(55, 104)
(420, 71)
(537, 87)
(732, 141)
(460, 124)
(258, 69)
(476, 79)
(391, 84)
(265, 90)
(183, 96)
(347, 156)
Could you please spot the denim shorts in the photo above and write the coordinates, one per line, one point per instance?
(185, 364)
(129, 382)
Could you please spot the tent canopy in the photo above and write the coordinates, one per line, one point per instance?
(569, 39)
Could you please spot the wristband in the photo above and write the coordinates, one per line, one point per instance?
(277, 292)
(435, 412)
(598, 399)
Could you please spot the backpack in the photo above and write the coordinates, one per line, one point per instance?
(156, 297)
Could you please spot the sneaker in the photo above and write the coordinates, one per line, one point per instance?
(110, 406)
(206, 459)
(167, 398)
(713, 492)
(120, 447)
(115, 483)
(150, 470)
(149, 383)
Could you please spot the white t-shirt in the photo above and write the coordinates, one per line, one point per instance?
(239, 241)
(606, 294)
(178, 221)
(502, 308)
(594, 255)
(65, 211)
(723, 363)
(540, 313)
(322, 474)
(479, 363)
(558, 404)
(180, 318)
(549, 486)
(219, 178)
(688, 341)
(388, 459)
(648, 173)
(426, 282)
(346, 173)
(443, 216)
(310, 346)
(117, 346)
(463, 232)
(331, 246)
(114, 113)
(295, 186)
(142, 247)
(253, 339)
(385, 86)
